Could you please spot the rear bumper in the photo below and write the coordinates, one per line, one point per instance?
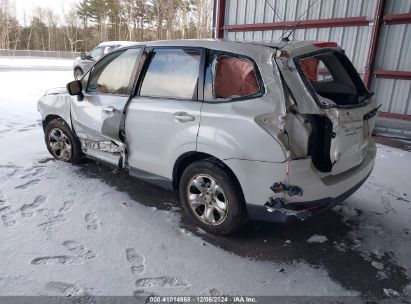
(260, 213)
(320, 191)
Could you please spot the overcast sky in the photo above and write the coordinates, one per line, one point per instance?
(26, 6)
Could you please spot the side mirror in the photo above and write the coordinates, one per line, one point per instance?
(75, 88)
(85, 56)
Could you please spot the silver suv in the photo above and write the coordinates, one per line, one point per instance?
(276, 132)
(86, 60)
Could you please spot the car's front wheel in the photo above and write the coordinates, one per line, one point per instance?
(61, 142)
(212, 198)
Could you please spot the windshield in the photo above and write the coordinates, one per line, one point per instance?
(332, 79)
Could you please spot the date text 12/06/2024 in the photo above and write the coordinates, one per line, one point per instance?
(202, 299)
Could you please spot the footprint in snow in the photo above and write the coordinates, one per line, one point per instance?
(7, 171)
(28, 210)
(93, 222)
(28, 184)
(58, 217)
(4, 209)
(72, 292)
(80, 254)
(10, 218)
(166, 282)
(32, 172)
(2, 199)
(79, 250)
(136, 260)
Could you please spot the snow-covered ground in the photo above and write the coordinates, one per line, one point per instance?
(17, 62)
(73, 230)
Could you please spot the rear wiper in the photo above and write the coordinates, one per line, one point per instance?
(372, 113)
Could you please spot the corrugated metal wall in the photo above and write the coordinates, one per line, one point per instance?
(393, 52)
(355, 40)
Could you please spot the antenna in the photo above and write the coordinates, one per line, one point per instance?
(275, 12)
(287, 39)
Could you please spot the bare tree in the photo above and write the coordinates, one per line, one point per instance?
(203, 12)
(72, 24)
(83, 25)
(51, 21)
(5, 15)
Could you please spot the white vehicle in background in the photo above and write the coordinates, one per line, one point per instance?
(277, 132)
(86, 60)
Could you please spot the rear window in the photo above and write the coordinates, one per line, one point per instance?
(332, 76)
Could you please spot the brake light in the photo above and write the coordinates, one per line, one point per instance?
(325, 44)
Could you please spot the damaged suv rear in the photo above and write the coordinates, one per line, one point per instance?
(326, 130)
(277, 132)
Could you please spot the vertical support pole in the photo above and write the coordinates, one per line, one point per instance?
(375, 36)
(213, 28)
(220, 19)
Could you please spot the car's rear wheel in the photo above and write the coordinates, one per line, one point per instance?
(78, 73)
(211, 198)
(61, 142)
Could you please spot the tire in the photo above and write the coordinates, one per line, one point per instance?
(211, 186)
(61, 142)
(78, 72)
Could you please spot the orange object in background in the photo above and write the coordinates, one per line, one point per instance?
(310, 68)
(235, 77)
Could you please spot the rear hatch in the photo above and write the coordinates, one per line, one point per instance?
(329, 92)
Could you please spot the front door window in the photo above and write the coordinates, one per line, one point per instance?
(112, 75)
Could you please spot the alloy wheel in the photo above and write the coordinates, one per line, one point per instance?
(207, 199)
(60, 144)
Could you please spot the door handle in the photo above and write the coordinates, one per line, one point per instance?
(183, 117)
(111, 110)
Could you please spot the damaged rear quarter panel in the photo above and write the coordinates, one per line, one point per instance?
(229, 129)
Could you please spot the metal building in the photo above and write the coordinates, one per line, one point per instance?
(376, 35)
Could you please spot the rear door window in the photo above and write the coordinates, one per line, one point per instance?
(230, 78)
(172, 73)
(331, 75)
